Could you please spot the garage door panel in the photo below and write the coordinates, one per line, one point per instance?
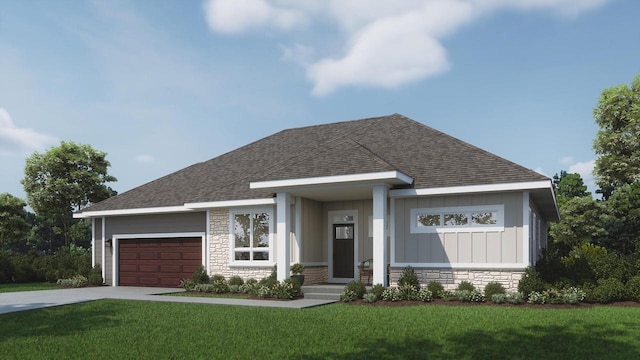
(158, 262)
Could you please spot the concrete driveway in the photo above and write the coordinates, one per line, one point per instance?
(29, 300)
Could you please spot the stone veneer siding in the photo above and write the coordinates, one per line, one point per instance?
(450, 278)
(219, 250)
(314, 275)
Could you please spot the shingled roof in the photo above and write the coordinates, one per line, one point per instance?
(394, 142)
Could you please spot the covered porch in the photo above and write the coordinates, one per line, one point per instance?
(334, 221)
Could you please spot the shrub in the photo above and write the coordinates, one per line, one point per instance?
(436, 288)
(357, 288)
(74, 282)
(187, 284)
(607, 291)
(236, 280)
(515, 298)
(537, 298)
(572, 295)
(409, 277)
(370, 298)
(261, 291)
(531, 281)
(287, 289)
(493, 288)
(408, 292)
(234, 288)
(391, 294)
(297, 269)
(205, 288)
(219, 284)
(633, 288)
(348, 295)
(248, 287)
(447, 295)
(270, 281)
(498, 298)
(95, 276)
(465, 285)
(200, 276)
(424, 295)
(377, 290)
(469, 295)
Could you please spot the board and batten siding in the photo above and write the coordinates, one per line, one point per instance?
(461, 247)
(314, 249)
(147, 224)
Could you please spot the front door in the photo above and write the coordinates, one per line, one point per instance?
(343, 238)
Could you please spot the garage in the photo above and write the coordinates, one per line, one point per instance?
(158, 262)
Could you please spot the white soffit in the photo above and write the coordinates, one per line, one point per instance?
(386, 176)
(230, 203)
(529, 185)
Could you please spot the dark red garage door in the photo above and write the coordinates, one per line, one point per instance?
(158, 262)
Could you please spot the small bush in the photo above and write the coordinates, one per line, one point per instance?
(424, 295)
(608, 291)
(234, 288)
(95, 276)
(391, 294)
(370, 298)
(572, 295)
(447, 295)
(531, 281)
(436, 288)
(408, 292)
(465, 285)
(205, 288)
(219, 284)
(377, 290)
(348, 295)
(409, 277)
(537, 298)
(236, 280)
(515, 298)
(357, 288)
(493, 288)
(74, 282)
(287, 289)
(469, 295)
(249, 286)
(633, 288)
(187, 284)
(269, 281)
(498, 298)
(200, 276)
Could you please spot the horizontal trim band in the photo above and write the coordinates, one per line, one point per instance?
(337, 179)
(451, 190)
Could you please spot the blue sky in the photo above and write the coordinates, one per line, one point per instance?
(160, 85)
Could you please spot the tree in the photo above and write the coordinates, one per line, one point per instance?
(617, 143)
(569, 185)
(581, 220)
(623, 225)
(66, 178)
(14, 225)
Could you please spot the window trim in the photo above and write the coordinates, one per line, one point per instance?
(232, 248)
(470, 227)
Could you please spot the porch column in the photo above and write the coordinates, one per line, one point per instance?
(380, 234)
(283, 229)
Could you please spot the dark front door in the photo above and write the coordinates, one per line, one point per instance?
(343, 251)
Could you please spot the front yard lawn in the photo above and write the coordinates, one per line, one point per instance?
(114, 329)
(27, 287)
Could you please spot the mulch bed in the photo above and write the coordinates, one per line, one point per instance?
(581, 305)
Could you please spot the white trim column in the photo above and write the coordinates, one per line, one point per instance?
(380, 234)
(103, 264)
(526, 236)
(283, 229)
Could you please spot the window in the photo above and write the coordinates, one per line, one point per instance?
(465, 218)
(251, 236)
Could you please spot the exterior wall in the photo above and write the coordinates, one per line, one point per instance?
(219, 250)
(314, 275)
(97, 243)
(538, 232)
(314, 246)
(450, 278)
(146, 224)
(470, 247)
(365, 211)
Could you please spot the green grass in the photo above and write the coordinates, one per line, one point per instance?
(112, 329)
(27, 287)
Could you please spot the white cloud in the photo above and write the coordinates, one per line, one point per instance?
(17, 140)
(567, 160)
(386, 44)
(144, 158)
(585, 169)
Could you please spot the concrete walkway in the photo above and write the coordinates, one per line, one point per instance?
(29, 300)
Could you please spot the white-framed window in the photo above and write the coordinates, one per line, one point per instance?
(457, 219)
(251, 236)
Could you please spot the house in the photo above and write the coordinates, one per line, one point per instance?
(329, 196)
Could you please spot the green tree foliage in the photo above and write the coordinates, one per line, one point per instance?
(64, 179)
(623, 225)
(582, 219)
(567, 186)
(14, 225)
(617, 143)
